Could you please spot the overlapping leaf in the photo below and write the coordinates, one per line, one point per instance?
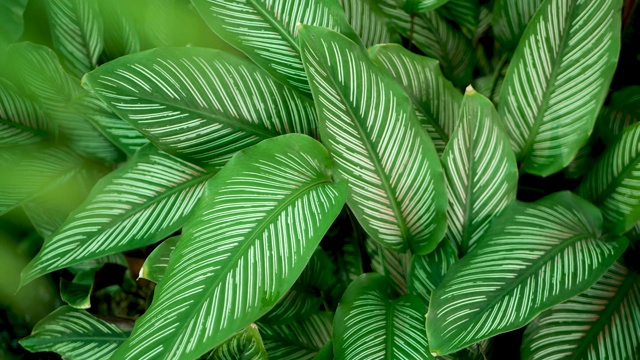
(138, 204)
(435, 99)
(265, 30)
(22, 121)
(414, 6)
(198, 103)
(465, 13)
(392, 265)
(255, 230)
(558, 79)
(246, 345)
(368, 324)
(622, 111)
(155, 265)
(533, 256)
(510, 18)
(369, 22)
(121, 33)
(427, 271)
(480, 170)
(368, 124)
(601, 323)
(613, 184)
(301, 340)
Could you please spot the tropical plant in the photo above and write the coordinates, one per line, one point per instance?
(321, 179)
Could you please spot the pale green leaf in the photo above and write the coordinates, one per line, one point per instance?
(255, 229)
(22, 121)
(510, 18)
(301, 340)
(392, 265)
(601, 323)
(621, 112)
(155, 265)
(369, 22)
(200, 104)
(244, 345)
(74, 334)
(480, 171)
(368, 322)
(427, 271)
(558, 79)
(11, 22)
(136, 205)
(367, 122)
(534, 256)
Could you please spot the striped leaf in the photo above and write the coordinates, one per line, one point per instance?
(136, 205)
(77, 32)
(155, 265)
(414, 6)
(465, 13)
(368, 124)
(601, 323)
(435, 99)
(74, 334)
(245, 345)
(368, 322)
(510, 18)
(255, 230)
(22, 121)
(301, 340)
(480, 170)
(392, 265)
(622, 111)
(200, 104)
(369, 22)
(558, 79)
(534, 256)
(613, 184)
(11, 22)
(427, 271)
(121, 33)
(265, 30)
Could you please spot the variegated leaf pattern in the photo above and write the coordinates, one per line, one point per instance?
(368, 124)
(245, 345)
(136, 205)
(480, 171)
(121, 33)
(200, 104)
(414, 6)
(369, 22)
(155, 265)
(301, 340)
(436, 38)
(369, 325)
(22, 121)
(256, 228)
(613, 184)
(534, 256)
(427, 271)
(77, 32)
(558, 79)
(265, 30)
(621, 112)
(436, 100)
(392, 265)
(510, 18)
(601, 323)
(74, 334)
(465, 13)
(11, 22)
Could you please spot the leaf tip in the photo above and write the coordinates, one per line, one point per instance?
(469, 90)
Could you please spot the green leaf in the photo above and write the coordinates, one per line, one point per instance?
(613, 183)
(582, 163)
(435, 99)
(22, 121)
(301, 340)
(465, 13)
(558, 79)
(326, 353)
(368, 124)
(481, 172)
(200, 104)
(121, 36)
(369, 22)
(534, 256)
(392, 265)
(74, 334)
(622, 111)
(601, 323)
(367, 322)
(77, 292)
(266, 31)
(510, 18)
(77, 32)
(414, 6)
(245, 345)
(427, 271)
(155, 265)
(136, 205)
(256, 227)
(11, 22)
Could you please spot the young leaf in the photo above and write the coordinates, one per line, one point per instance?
(390, 264)
(155, 265)
(533, 256)
(245, 345)
(558, 79)
(201, 104)
(435, 99)
(136, 205)
(266, 31)
(427, 271)
(74, 334)
(369, 22)
(368, 124)
(367, 322)
(256, 228)
(77, 32)
(510, 18)
(22, 121)
(622, 111)
(613, 184)
(600, 323)
(480, 170)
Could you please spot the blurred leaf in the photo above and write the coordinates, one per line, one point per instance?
(465, 13)
(11, 22)
(300, 340)
(22, 121)
(621, 112)
(121, 33)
